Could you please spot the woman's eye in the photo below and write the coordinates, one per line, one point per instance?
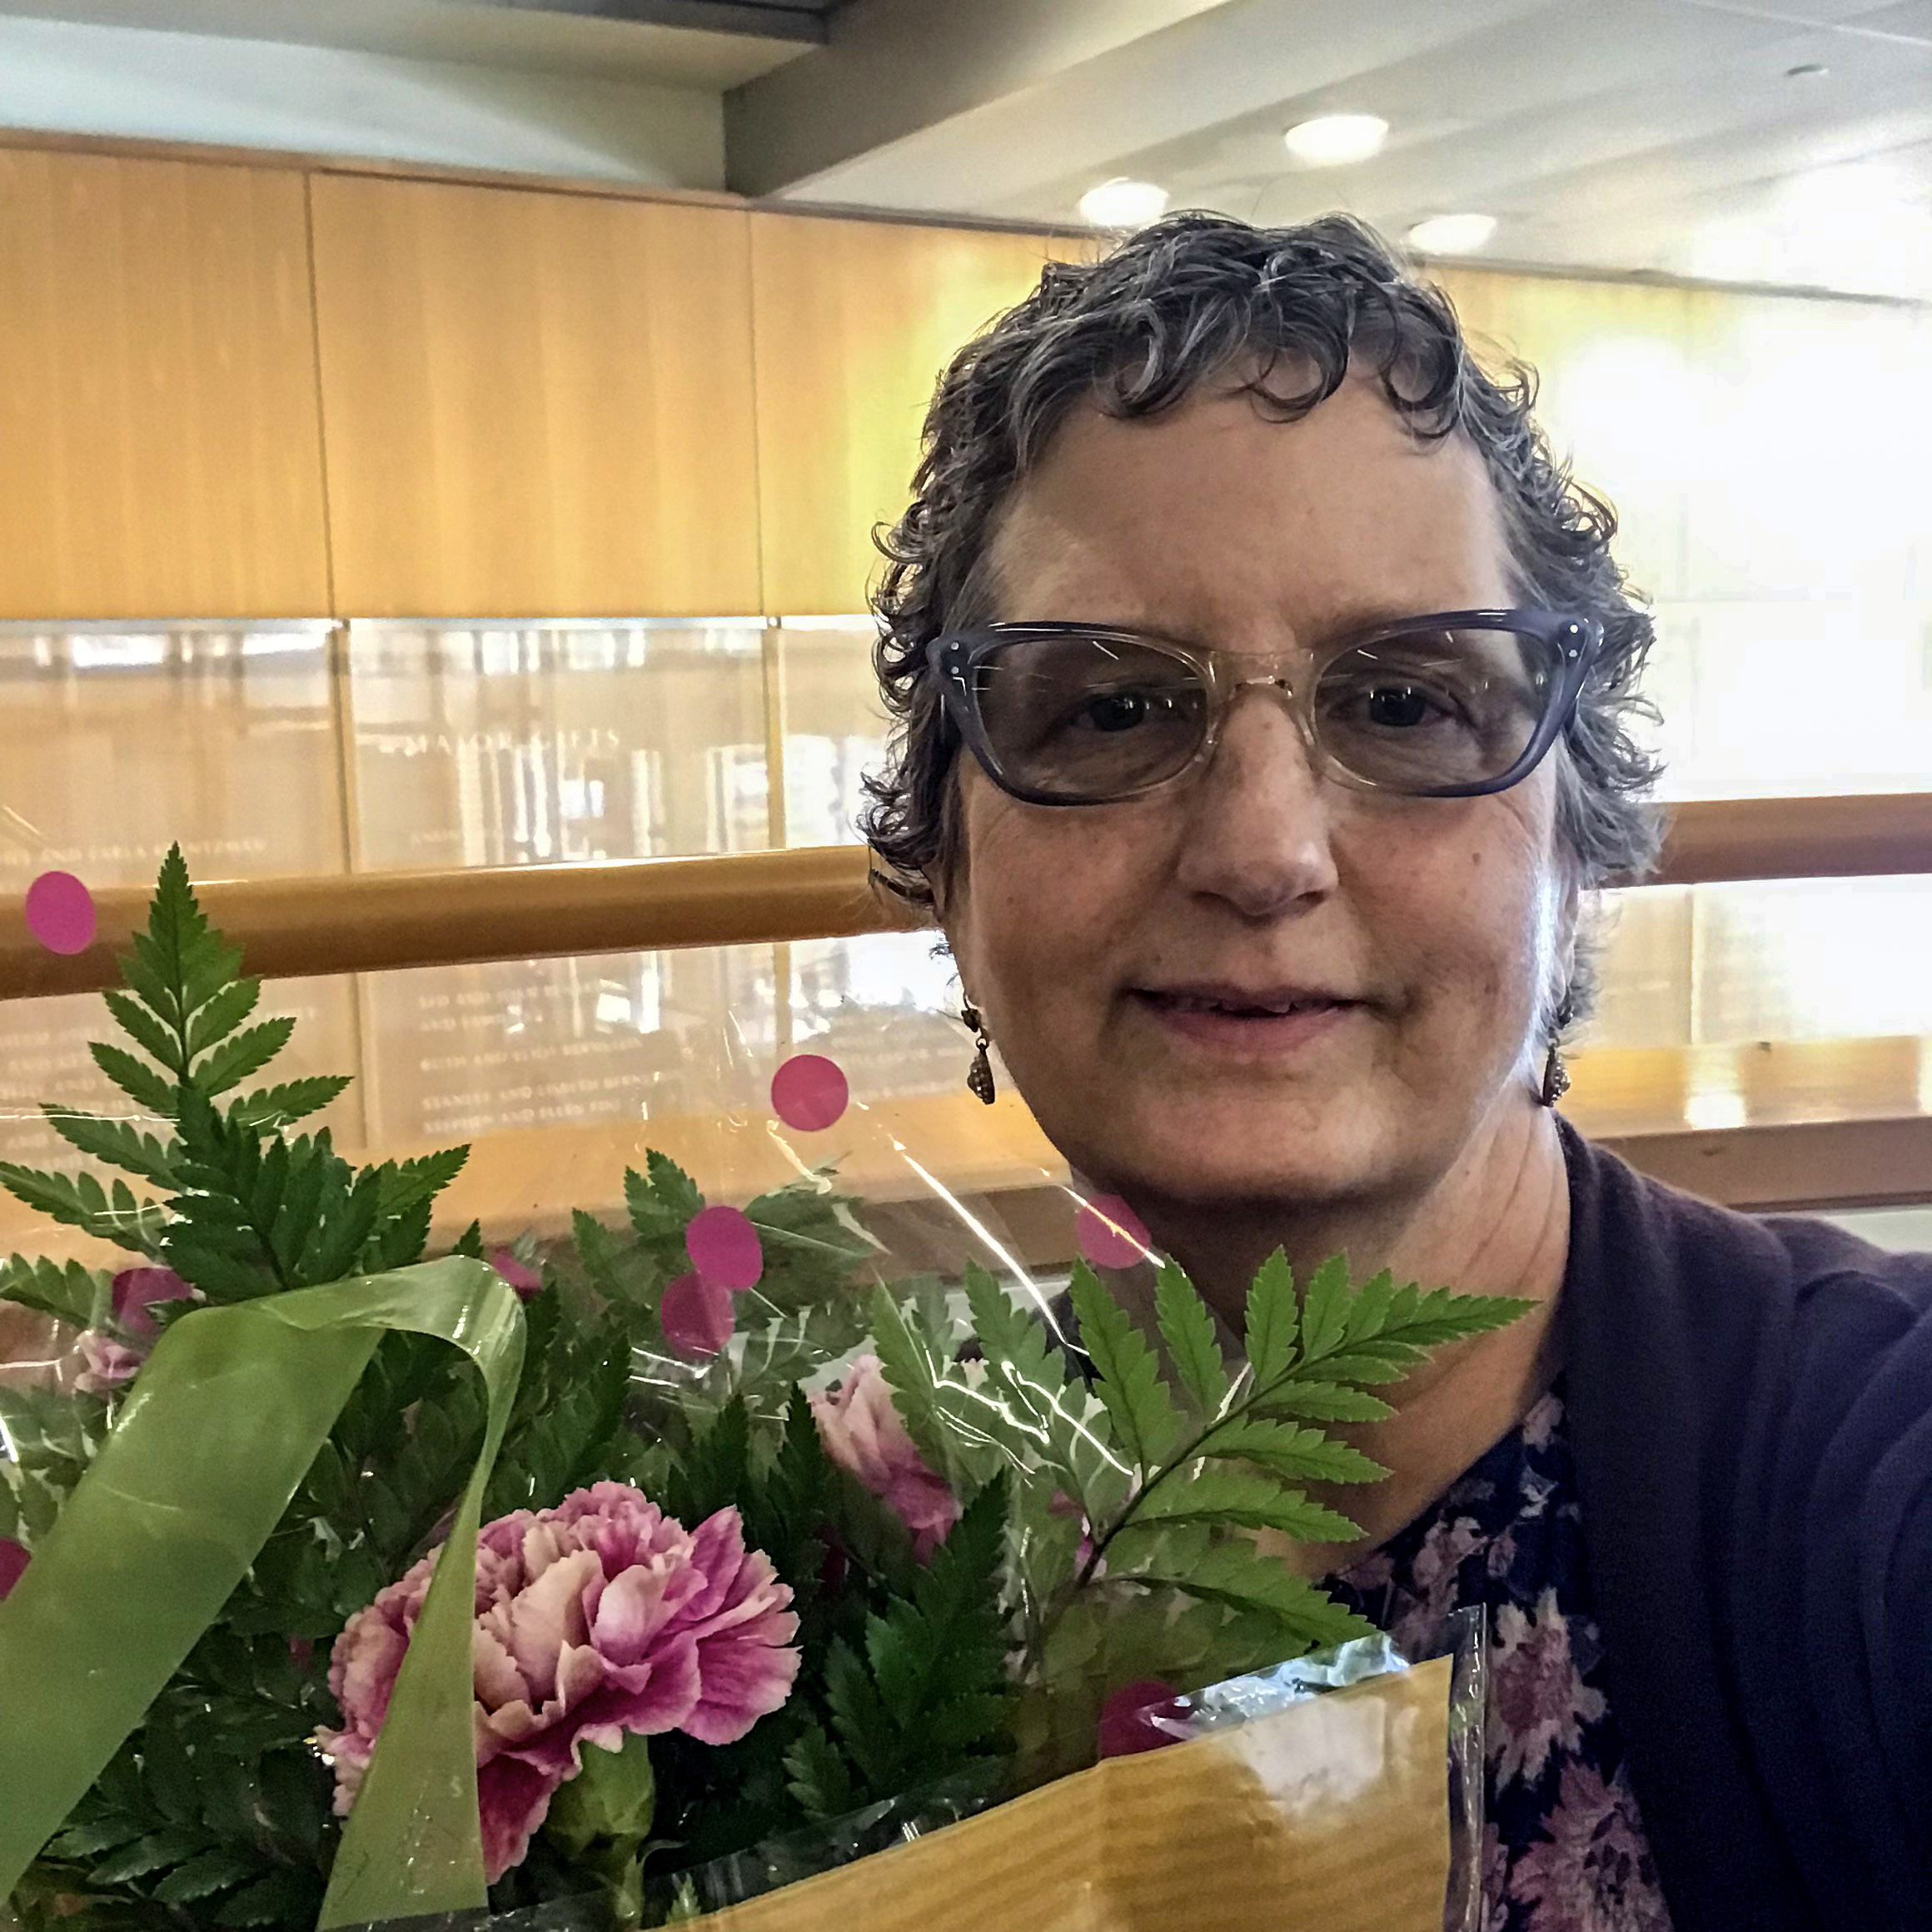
(1117, 710)
(1399, 707)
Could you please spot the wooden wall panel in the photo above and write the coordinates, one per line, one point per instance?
(160, 450)
(536, 404)
(856, 320)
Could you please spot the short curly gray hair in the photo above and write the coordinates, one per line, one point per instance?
(1195, 297)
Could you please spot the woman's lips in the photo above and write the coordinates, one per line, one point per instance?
(1278, 1025)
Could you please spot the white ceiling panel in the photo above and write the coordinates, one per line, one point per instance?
(1779, 141)
(470, 31)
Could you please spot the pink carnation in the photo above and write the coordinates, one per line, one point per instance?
(600, 1617)
(136, 1290)
(863, 1433)
(106, 1364)
(526, 1280)
(110, 1359)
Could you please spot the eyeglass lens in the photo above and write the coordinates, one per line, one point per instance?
(1084, 719)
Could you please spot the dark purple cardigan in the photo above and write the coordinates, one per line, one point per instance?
(1750, 1404)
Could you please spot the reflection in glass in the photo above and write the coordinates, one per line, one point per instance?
(498, 745)
(43, 1057)
(456, 1053)
(886, 1007)
(834, 725)
(115, 741)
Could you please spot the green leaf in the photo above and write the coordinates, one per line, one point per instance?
(73, 1294)
(422, 1179)
(915, 1373)
(146, 1031)
(156, 1852)
(215, 1871)
(1187, 1325)
(717, 1472)
(222, 1014)
(858, 1718)
(932, 1685)
(1235, 1498)
(1368, 1313)
(817, 1775)
(1296, 1455)
(1026, 1401)
(119, 1142)
(294, 1100)
(192, 959)
(1326, 1307)
(284, 1897)
(247, 1054)
(179, 962)
(80, 1201)
(104, 1833)
(1235, 1574)
(137, 1080)
(52, 1436)
(1320, 1401)
(662, 1200)
(1274, 1320)
(1146, 1422)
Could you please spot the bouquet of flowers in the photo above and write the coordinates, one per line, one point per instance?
(626, 1576)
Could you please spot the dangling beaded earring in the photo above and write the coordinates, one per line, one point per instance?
(980, 1074)
(1556, 1074)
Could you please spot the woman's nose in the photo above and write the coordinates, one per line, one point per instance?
(1258, 831)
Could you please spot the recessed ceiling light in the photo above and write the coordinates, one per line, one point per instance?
(1452, 234)
(1329, 140)
(1121, 203)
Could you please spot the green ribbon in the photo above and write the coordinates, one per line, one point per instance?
(222, 1426)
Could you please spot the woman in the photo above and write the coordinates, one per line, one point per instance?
(1265, 693)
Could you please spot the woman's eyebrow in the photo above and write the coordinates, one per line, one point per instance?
(1355, 618)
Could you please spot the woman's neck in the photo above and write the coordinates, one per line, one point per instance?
(1497, 1222)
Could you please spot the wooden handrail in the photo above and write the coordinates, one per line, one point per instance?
(376, 921)
(373, 922)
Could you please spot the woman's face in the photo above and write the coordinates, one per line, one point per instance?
(1133, 960)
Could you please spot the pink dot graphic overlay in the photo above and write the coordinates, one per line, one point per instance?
(60, 912)
(723, 1248)
(808, 1093)
(1111, 1234)
(697, 1316)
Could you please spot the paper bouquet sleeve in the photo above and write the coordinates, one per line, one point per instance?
(1329, 1816)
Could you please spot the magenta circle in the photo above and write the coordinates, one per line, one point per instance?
(60, 912)
(723, 1248)
(808, 1093)
(696, 1316)
(1111, 1234)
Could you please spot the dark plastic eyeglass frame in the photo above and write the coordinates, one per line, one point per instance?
(955, 657)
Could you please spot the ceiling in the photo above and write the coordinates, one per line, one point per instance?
(1686, 136)
(712, 44)
(1782, 141)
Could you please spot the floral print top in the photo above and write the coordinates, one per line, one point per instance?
(1564, 1846)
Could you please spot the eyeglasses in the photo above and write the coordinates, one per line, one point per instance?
(1449, 706)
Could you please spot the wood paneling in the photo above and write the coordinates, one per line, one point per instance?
(160, 450)
(855, 320)
(537, 404)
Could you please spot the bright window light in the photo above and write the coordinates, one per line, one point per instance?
(1332, 140)
(1452, 234)
(1121, 203)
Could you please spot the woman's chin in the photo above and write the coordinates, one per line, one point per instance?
(1213, 1149)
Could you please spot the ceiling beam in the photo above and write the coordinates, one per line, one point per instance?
(767, 20)
(891, 68)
